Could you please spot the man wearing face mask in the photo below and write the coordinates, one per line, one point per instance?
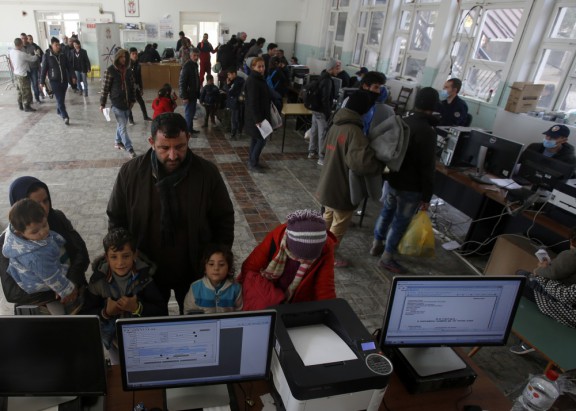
(555, 145)
(452, 108)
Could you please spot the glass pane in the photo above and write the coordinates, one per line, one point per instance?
(551, 71)
(334, 4)
(398, 55)
(467, 19)
(376, 24)
(358, 49)
(333, 18)
(341, 27)
(479, 82)
(344, 3)
(71, 16)
(370, 59)
(414, 67)
(459, 56)
(337, 52)
(329, 43)
(405, 19)
(565, 24)
(373, 2)
(498, 32)
(423, 30)
(569, 104)
(429, 1)
(363, 19)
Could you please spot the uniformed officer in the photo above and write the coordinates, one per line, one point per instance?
(453, 110)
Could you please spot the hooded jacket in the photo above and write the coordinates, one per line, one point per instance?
(75, 247)
(56, 66)
(119, 84)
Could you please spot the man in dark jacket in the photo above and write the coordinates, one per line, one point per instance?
(321, 113)
(119, 84)
(81, 65)
(56, 65)
(555, 144)
(189, 86)
(411, 187)
(138, 85)
(174, 203)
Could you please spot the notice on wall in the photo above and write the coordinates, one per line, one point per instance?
(166, 28)
(152, 31)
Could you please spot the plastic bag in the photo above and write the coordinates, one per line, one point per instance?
(418, 240)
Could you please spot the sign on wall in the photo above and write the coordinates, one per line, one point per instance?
(132, 8)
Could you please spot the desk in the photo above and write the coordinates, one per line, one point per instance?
(295, 109)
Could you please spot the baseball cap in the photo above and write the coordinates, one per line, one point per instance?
(363, 70)
(557, 131)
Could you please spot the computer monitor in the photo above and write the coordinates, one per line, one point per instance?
(426, 312)
(48, 360)
(197, 350)
(542, 171)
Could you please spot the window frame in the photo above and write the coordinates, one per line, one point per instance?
(361, 50)
(332, 44)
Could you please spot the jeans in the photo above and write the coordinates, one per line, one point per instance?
(121, 130)
(82, 77)
(59, 90)
(399, 208)
(318, 134)
(256, 146)
(33, 74)
(189, 113)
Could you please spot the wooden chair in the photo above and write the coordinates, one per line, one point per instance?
(401, 102)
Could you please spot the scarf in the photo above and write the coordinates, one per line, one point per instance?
(275, 268)
(166, 185)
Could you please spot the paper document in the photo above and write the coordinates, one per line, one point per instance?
(265, 129)
(106, 113)
(318, 344)
(507, 183)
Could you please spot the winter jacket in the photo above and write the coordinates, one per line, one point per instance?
(317, 284)
(556, 299)
(562, 268)
(189, 83)
(347, 148)
(79, 61)
(327, 94)
(56, 66)
(136, 74)
(210, 95)
(38, 265)
(120, 87)
(204, 297)
(163, 105)
(257, 99)
(234, 91)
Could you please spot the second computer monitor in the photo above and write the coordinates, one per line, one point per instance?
(543, 171)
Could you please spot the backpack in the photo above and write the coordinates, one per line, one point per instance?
(270, 82)
(313, 96)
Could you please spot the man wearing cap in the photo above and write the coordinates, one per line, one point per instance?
(411, 187)
(453, 109)
(555, 144)
(354, 81)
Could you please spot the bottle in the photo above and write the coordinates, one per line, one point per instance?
(540, 393)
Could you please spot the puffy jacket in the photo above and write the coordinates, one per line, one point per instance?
(121, 89)
(56, 66)
(189, 83)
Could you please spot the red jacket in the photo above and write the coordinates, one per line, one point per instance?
(317, 284)
(162, 105)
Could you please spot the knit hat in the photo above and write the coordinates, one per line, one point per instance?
(427, 99)
(330, 64)
(360, 101)
(306, 234)
(557, 130)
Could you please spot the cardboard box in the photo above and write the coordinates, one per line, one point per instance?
(523, 97)
(512, 253)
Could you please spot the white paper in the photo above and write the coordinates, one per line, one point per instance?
(451, 245)
(265, 129)
(507, 183)
(318, 344)
(106, 113)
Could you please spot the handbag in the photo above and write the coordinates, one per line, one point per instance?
(275, 117)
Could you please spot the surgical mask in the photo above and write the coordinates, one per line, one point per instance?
(549, 143)
(443, 95)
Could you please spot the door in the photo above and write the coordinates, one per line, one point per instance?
(286, 37)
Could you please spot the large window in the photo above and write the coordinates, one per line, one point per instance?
(486, 39)
(556, 60)
(337, 28)
(369, 33)
(414, 32)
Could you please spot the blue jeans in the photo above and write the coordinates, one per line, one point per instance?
(34, 80)
(121, 130)
(59, 89)
(399, 208)
(82, 77)
(189, 113)
(256, 146)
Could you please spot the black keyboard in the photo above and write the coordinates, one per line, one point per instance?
(521, 181)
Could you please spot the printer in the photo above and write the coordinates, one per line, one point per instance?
(325, 359)
(564, 196)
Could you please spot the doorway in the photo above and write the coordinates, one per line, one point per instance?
(286, 37)
(196, 24)
(56, 24)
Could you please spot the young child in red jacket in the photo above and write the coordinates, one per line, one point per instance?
(165, 102)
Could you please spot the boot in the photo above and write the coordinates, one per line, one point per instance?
(29, 109)
(20, 106)
(377, 248)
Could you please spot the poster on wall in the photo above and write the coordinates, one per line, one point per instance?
(166, 28)
(132, 8)
(107, 41)
(152, 31)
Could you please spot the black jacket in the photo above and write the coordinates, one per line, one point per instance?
(56, 66)
(257, 99)
(327, 93)
(122, 92)
(189, 84)
(136, 74)
(80, 62)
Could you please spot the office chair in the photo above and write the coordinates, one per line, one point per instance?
(468, 120)
(400, 103)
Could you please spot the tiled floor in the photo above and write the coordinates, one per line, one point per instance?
(79, 164)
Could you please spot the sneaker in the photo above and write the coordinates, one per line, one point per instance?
(320, 162)
(119, 146)
(66, 121)
(392, 266)
(377, 248)
(132, 153)
(312, 155)
(258, 170)
(131, 122)
(21, 106)
(29, 109)
(521, 349)
(39, 101)
(147, 119)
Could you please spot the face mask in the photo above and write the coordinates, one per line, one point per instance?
(443, 95)
(549, 143)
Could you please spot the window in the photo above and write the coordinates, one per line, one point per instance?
(414, 35)
(557, 61)
(484, 45)
(336, 28)
(369, 33)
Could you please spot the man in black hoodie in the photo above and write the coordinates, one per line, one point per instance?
(139, 86)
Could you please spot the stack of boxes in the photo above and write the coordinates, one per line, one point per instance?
(524, 97)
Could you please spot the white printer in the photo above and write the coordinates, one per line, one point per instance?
(325, 359)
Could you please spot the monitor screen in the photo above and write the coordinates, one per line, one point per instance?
(182, 351)
(51, 356)
(437, 311)
(545, 172)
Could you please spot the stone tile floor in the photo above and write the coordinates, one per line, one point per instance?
(79, 164)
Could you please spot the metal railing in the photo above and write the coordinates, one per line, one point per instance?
(6, 72)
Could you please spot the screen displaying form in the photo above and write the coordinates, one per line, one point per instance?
(451, 311)
(165, 352)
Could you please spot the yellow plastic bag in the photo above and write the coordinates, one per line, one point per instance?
(418, 240)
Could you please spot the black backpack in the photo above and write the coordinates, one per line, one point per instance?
(313, 96)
